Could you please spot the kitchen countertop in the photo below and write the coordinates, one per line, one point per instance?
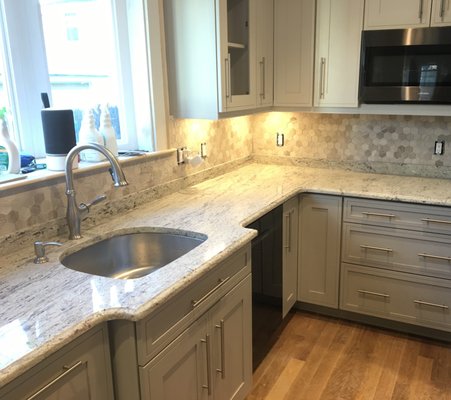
(43, 307)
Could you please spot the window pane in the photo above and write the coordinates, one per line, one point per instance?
(80, 40)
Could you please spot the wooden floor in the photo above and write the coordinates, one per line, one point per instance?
(324, 358)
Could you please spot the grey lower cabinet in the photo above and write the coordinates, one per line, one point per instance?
(79, 371)
(210, 359)
(196, 345)
(319, 249)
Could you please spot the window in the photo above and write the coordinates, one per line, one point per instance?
(84, 53)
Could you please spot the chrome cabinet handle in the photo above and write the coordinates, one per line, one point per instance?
(228, 78)
(420, 10)
(288, 230)
(322, 78)
(209, 377)
(442, 9)
(373, 214)
(221, 282)
(425, 255)
(385, 296)
(436, 221)
(221, 326)
(425, 303)
(67, 371)
(263, 78)
(386, 249)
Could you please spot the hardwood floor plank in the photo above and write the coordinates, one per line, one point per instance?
(285, 380)
(325, 358)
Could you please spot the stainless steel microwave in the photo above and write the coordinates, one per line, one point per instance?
(406, 66)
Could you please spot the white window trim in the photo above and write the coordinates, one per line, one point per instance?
(28, 80)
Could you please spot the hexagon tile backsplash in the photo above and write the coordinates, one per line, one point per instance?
(356, 139)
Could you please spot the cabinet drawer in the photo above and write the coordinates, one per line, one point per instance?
(397, 296)
(398, 215)
(80, 370)
(162, 326)
(397, 249)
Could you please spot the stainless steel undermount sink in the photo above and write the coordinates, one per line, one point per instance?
(131, 255)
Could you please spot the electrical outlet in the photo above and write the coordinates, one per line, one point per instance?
(439, 147)
(280, 139)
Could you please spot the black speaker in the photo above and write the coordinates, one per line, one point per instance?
(59, 131)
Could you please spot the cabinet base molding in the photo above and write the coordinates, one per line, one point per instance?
(376, 322)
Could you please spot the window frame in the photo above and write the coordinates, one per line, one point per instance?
(27, 73)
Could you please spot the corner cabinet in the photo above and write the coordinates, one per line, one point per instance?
(81, 370)
(441, 13)
(211, 56)
(294, 45)
(337, 62)
(319, 249)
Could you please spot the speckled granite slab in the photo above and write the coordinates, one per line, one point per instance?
(45, 306)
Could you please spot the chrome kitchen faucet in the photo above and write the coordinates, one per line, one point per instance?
(75, 213)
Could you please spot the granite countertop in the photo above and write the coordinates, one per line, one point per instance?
(43, 307)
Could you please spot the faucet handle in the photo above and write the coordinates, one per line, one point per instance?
(96, 200)
(39, 251)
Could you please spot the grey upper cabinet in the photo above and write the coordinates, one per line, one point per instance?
(211, 56)
(294, 42)
(319, 249)
(79, 371)
(290, 254)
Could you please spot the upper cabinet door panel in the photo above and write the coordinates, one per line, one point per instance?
(441, 13)
(337, 62)
(293, 49)
(389, 14)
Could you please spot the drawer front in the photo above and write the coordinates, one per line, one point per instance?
(398, 215)
(397, 249)
(166, 323)
(396, 296)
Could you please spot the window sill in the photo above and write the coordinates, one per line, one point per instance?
(45, 177)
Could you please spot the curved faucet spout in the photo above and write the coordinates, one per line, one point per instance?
(75, 212)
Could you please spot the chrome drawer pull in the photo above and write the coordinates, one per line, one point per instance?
(435, 257)
(425, 303)
(373, 214)
(436, 221)
(385, 296)
(67, 371)
(364, 246)
(221, 282)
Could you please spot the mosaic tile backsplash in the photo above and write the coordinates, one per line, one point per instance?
(406, 140)
(374, 143)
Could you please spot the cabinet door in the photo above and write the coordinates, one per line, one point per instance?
(290, 254)
(265, 52)
(77, 372)
(180, 371)
(337, 62)
(388, 14)
(441, 13)
(237, 30)
(319, 249)
(293, 49)
(232, 333)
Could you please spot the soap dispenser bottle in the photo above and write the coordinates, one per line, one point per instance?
(89, 134)
(11, 149)
(108, 132)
